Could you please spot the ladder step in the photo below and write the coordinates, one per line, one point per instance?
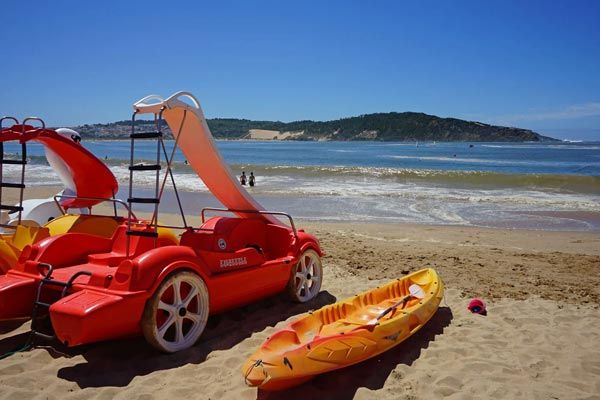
(14, 162)
(12, 185)
(41, 303)
(143, 200)
(145, 135)
(11, 208)
(142, 233)
(145, 167)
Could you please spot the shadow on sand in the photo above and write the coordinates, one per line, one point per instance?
(116, 363)
(371, 374)
(11, 325)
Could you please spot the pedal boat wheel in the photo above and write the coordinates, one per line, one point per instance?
(306, 278)
(176, 314)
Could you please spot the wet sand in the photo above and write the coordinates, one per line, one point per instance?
(538, 341)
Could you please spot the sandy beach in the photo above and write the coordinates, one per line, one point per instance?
(391, 139)
(538, 341)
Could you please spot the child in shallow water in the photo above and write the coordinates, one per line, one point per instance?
(243, 178)
(252, 179)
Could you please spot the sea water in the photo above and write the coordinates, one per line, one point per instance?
(552, 186)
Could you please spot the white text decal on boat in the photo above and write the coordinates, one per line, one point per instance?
(233, 262)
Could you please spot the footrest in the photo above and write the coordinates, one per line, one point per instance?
(47, 281)
(145, 167)
(11, 208)
(12, 185)
(14, 162)
(142, 233)
(143, 200)
(43, 335)
(145, 135)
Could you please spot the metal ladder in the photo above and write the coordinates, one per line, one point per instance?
(13, 185)
(159, 186)
(131, 200)
(38, 304)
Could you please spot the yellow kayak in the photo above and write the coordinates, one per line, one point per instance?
(346, 332)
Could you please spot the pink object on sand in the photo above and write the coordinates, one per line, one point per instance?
(477, 306)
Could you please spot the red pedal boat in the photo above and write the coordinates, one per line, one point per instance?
(97, 288)
(31, 220)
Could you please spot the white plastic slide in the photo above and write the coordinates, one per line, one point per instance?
(189, 128)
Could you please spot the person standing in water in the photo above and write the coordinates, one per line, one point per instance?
(243, 178)
(251, 179)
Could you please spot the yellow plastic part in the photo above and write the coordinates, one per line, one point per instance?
(8, 255)
(73, 223)
(166, 237)
(25, 235)
(11, 245)
(99, 225)
(344, 333)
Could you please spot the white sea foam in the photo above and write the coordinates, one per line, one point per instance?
(366, 186)
(552, 146)
(369, 197)
(35, 175)
(494, 161)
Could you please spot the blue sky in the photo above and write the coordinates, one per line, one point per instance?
(533, 64)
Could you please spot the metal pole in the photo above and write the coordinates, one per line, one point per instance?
(156, 188)
(169, 172)
(115, 204)
(16, 122)
(99, 199)
(128, 244)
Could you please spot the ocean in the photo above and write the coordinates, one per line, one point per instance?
(546, 186)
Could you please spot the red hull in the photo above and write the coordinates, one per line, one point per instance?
(109, 304)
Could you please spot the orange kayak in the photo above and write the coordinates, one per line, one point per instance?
(346, 332)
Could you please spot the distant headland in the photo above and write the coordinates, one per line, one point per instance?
(392, 126)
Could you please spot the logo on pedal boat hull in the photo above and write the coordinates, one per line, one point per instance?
(233, 262)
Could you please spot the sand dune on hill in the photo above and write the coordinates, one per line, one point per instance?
(264, 134)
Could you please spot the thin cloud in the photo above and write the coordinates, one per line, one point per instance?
(570, 112)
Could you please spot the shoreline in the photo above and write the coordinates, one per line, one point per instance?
(488, 186)
(245, 139)
(194, 201)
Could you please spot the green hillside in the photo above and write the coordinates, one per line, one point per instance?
(393, 126)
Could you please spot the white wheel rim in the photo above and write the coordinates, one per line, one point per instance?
(308, 276)
(181, 313)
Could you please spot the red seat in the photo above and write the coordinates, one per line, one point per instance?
(197, 240)
(137, 246)
(223, 234)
